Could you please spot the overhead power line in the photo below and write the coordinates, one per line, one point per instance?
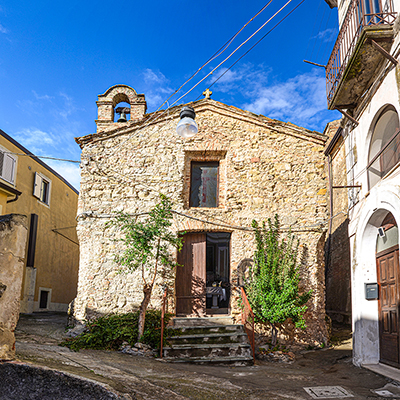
(252, 47)
(222, 49)
(156, 117)
(45, 157)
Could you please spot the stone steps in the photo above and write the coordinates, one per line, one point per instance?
(208, 341)
(212, 338)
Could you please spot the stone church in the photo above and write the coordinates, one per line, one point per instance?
(240, 166)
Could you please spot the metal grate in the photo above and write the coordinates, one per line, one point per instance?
(328, 392)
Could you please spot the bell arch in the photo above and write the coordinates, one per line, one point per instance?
(135, 105)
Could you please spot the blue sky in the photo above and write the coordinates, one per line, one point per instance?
(57, 56)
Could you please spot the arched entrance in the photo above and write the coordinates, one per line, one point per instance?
(387, 262)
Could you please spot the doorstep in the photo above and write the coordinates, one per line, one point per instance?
(384, 370)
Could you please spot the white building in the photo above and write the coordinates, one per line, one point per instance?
(363, 82)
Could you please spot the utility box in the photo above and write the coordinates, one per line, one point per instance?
(371, 291)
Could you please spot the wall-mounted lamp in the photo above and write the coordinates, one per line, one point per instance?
(187, 126)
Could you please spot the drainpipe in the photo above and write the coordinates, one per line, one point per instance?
(14, 199)
(328, 249)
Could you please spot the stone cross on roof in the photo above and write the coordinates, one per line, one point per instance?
(207, 93)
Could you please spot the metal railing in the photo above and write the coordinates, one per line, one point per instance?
(164, 302)
(361, 13)
(384, 160)
(248, 321)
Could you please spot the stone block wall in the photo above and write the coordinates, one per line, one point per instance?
(266, 167)
(13, 235)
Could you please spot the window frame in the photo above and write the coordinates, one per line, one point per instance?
(205, 156)
(38, 188)
(389, 142)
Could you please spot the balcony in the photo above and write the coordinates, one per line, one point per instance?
(359, 50)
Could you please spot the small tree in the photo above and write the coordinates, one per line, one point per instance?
(273, 283)
(147, 248)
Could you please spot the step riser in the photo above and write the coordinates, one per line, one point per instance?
(237, 362)
(207, 330)
(206, 352)
(209, 340)
(182, 322)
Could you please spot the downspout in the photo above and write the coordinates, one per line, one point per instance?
(14, 199)
(328, 246)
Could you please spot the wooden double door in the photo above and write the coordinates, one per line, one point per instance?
(389, 298)
(204, 262)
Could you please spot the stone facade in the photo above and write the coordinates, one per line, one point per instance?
(13, 234)
(265, 167)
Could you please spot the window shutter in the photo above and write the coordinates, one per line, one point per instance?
(1, 163)
(37, 185)
(9, 168)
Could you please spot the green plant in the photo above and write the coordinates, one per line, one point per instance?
(110, 331)
(273, 283)
(147, 248)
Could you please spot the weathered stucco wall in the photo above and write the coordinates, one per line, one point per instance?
(56, 257)
(266, 167)
(13, 233)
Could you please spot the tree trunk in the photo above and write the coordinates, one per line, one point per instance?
(274, 335)
(147, 289)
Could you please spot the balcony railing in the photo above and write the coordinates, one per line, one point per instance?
(386, 159)
(361, 13)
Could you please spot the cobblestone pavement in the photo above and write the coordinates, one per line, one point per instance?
(131, 377)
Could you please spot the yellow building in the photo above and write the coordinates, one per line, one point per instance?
(29, 186)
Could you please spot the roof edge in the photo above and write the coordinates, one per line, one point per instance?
(35, 158)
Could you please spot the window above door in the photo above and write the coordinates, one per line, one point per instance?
(204, 184)
(204, 179)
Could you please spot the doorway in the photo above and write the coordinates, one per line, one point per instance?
(202, 283)
(387, 262)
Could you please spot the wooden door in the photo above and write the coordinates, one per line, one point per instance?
(388, 277)
(190, 282)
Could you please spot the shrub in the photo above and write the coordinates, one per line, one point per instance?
(110, 331)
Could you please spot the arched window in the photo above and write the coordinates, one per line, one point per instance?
(384, 151)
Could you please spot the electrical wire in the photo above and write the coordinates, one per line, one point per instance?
(321, 39)
(45, 157)
(210, 73)
(233, 52)
(319, 30)
(251, 48)
(292, 228)
(221, 50)
(313, 29)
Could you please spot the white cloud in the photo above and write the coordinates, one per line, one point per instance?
(35, 139)
(157, 88)
(43, 97)
(326, 36)
(239, 79)
(151, 76)
(68, 107)
(69, 171)
(3, 29)
(301, 100)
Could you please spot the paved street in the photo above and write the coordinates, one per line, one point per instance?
(133, 377)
